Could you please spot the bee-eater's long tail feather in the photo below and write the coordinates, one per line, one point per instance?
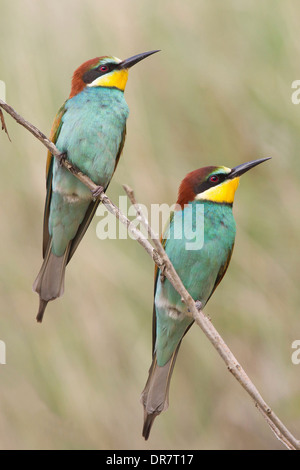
(49, 283)
(42, 308)
(155, 396)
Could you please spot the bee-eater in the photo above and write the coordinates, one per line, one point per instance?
(201, 270)
(89, 130)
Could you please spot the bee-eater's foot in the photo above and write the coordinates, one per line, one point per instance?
(61, 157)
(162, 273)
(198, 305)
(96, 192)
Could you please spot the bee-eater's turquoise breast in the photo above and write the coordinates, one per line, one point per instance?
(214, 226)
(92, 130)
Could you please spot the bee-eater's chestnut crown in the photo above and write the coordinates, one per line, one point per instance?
(213, 183)
(105, 71)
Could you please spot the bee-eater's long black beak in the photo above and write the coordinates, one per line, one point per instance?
(241, 169)
(127, 63)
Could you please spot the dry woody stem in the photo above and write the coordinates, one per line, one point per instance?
(159, 256)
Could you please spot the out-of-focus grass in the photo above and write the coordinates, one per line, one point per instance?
(218, 93)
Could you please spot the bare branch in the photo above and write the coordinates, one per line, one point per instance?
(160, 257)
(3, 124)
(276, 430)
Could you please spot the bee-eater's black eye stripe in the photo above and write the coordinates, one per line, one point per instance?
(200, 188)
(91, 75)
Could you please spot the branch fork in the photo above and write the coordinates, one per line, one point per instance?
(160, 258)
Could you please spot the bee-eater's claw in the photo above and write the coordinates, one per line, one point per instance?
(96, 192)
(61, 157)
(198, 305)
(162, 273)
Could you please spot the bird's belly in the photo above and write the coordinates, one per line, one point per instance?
(95, 154)
(197, 270)
(68, 186)
(66, 214)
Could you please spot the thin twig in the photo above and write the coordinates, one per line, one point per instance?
(3, 124)
(161, 259)
(167, 265)
(274, 428)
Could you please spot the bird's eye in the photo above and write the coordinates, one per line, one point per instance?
(104, 68)
(214, 179)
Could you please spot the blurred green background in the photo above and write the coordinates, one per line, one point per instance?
(218, 93)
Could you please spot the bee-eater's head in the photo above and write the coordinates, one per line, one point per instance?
(104, 71)
(213, 183)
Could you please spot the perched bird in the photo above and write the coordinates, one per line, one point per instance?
(89, 130)
(201, 268)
